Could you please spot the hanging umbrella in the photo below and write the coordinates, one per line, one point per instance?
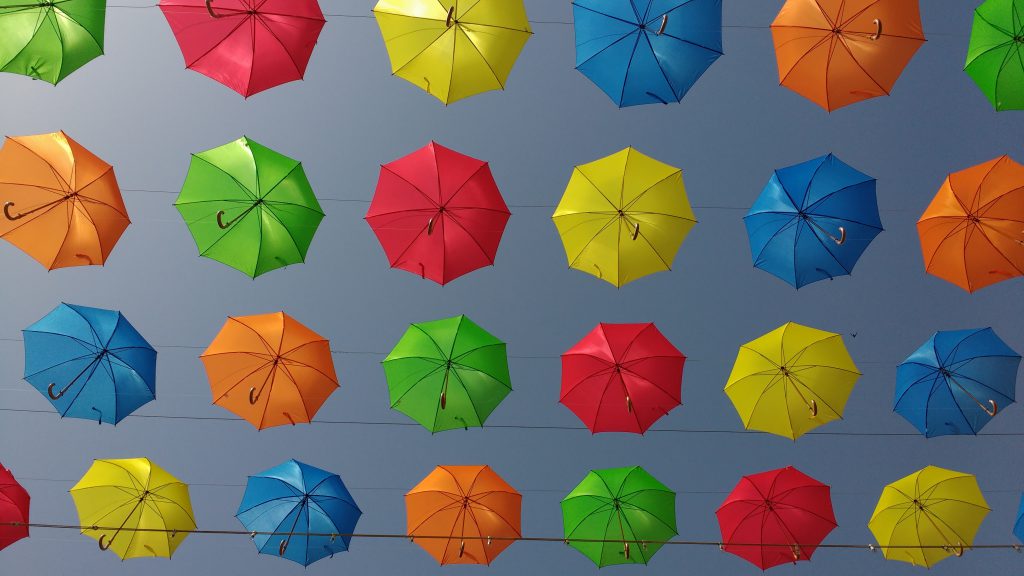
(50, 40)
(61, 204)
(928, 516)
(646, 52)
(838, 52)
(813, 221)
(249, 207)
(623, 217)
(438, 213)
(473, 505)
(1018, 526)
(994, 58)
(791, 380)
(14, 507)
(90, 363)
(776, 517)
(447, 374)
(619, 516)
(133, 508)
(972, 233)
(450, 49)
(247, 45)
(298, 512)
(622, 377)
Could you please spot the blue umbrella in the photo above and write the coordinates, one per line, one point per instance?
(309, 509)
(1018, 527)
(812, 221)
(646, 51)
(90, 363)
(956, 382)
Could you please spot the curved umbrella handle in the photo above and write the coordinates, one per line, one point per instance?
(629, 404)
(878, 29)
(636, 231)
(462, 548)
(664, 22)
(282, 547)
(451, 17)
(49, 391)
(254, 396)
(7, 212)
(104, 543)
(209, 9)
(626, 547)
(957, 550)
(994, 410)
(430, 226)
(813, 407)
(444, 399)
(842, 236)
(220, 220)
(796, 552)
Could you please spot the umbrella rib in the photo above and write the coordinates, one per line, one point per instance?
(68, 361)
(217, 45)
(464, 183)
(92, 370)
(629, 205)
(291, 58)
(647, 38)
(622, 93)
(454, 220)
(302, 398)
(87, 31)
(469, 396)
(985, 235)
(482, 57)
(239, 382)
(40, 17)
(614, 206)
(800, 60)
(417, 383)
(241, 187)
(591, 241)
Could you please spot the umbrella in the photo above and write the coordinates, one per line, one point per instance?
(472, 505)
(776, 517)
(50, 40)
(438, 213)
(450, 49)
(14, 507)
(90, 363)
(1018, 526)
(928, 516)
(956, 382)
(644, 51)
(994, 59)
(813, 221)
(619, 516)
(838, 52)
(447, 374)
(622, 377)
(61, 203)
(791, 380)
(298, 512)
(133, 508)
(247, 45)
(972, 233)
(623, 217)
(249, 207)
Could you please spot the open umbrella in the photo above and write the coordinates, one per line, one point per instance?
(813, 221)
(438, 213)
(90, 363)
(994, 59)
(61, 204)
(623, 217)
(472, 505)
(14, 508)
(246, 45)
(838, 52)
(645, 51)
(298, 512)
(50, 40)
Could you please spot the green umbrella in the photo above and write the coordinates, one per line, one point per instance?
(48, 40)
(249, 207)
(994, 58)
(447, 374)
(619, 516)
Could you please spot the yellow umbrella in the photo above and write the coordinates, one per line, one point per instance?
(453, 49)
(791, 380)
(133, 508)
(623, 217)
(930, 515)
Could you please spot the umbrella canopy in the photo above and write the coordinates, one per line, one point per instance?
(270, 369)
(622, 377)
(447, 374)
(472, 504)
(133, 508)
(50, 40)
(776, 517)
(619, 516)
(14, 507)
(90, 363)
(299, 512)
(994, 58)
(813, 221)
(247, 45)
(438, 213)
(646, 51)
(791, 380)
(928, 516)
(450, 49)
(956, 382)
(249, 207)
(972, 233)
(61, 203)
(838, 52)
(623, 217)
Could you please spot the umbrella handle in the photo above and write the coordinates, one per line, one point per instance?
(629, 404)
(462, 548)
(626, 547)
(636, 231)
(842, 236)
(957, 550)
(49, 391)
(878, 29)
(220, 220)
(104, 543)
(813, 407)
(282, 547)
(209, 9)
(254, 396)
(664, 22)
(430, 226)
(7, 212)
(994, 410)
(451, 17)
(796, 552)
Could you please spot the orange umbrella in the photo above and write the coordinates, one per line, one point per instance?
(476, 512)
(837, 52)
(972, 234)
(269, 369)
(61, 203)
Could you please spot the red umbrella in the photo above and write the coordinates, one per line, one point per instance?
(13, 508)
(438, 213)
(247, 45)
(622, 377)
(776, 517)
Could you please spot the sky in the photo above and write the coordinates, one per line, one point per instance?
(138, 108)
